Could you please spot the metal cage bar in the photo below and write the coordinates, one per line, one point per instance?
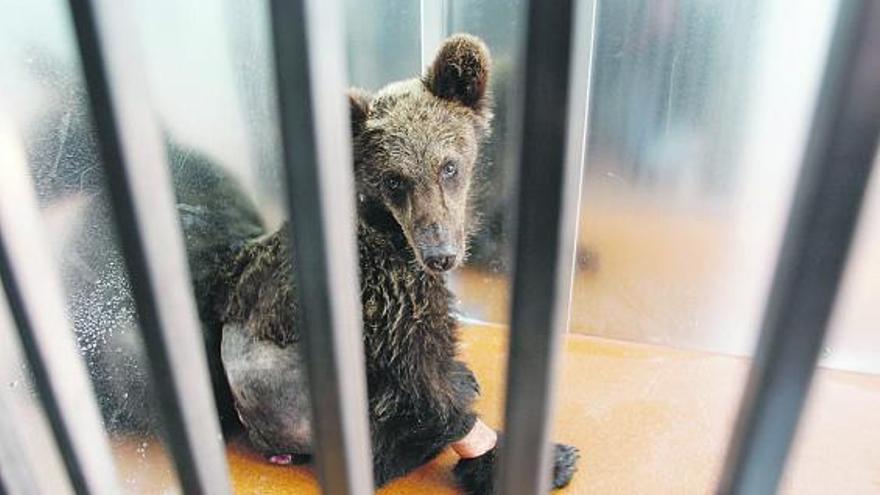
(836, 167)
(551, 149)
(143, 202)
(34, 291)
(315, 133)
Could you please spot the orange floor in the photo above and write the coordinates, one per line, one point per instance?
(648, 420)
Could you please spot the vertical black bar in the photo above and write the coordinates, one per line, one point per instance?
(143, 204)
(316, 138)
(34, 291)
(555, 78)
(837, 164)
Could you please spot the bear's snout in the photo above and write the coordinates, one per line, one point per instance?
(436, 248)
(439, 259)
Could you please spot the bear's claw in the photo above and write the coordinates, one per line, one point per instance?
(565, 459)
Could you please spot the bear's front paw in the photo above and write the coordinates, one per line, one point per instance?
(565, 459)
(476, 475)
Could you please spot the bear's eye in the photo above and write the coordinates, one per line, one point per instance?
(450, 170)
(393, 184)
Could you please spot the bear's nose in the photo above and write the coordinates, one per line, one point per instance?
(440, 262)
(439, 258)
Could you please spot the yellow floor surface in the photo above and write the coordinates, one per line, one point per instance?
(648, 420)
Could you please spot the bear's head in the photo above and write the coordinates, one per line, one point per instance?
(416, 144)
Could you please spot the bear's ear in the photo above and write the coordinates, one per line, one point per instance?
(460, 72)
(359, 105)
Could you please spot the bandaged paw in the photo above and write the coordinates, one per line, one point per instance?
(477, 442)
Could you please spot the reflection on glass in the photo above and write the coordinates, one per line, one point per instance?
(43, 90)
(208, 69)
(482, 286)
(699, 113)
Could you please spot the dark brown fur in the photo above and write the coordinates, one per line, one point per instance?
(408, 139)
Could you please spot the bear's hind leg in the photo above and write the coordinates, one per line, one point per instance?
(271, 394)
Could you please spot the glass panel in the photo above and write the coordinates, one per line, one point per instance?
(699, 111)
(482, 286)
(209, 72)
(208, 69)
(835, 448)
(699, 115)
(383, 41)
(16, 378)
(42, 88)
(384, 47)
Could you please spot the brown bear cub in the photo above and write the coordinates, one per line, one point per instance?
(415, 144)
